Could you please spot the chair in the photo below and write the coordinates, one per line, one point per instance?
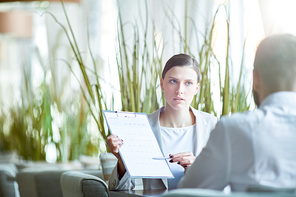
(214, 193)
(8, 185)
(41, 183)
(194, 193)
(79, 184)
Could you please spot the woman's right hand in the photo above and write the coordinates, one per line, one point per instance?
(114, 143)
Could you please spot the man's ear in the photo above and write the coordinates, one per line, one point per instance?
(256, 80)
(161, 83)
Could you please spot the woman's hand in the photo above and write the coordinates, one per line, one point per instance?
(184, 159)
(114, 143)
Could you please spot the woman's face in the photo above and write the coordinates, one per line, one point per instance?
(179, 86)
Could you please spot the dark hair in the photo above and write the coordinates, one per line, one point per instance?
(182, 60)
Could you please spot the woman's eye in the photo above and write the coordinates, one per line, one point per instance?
(173, 81)
(189, 83)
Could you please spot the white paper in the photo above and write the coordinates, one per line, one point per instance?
(139, 145)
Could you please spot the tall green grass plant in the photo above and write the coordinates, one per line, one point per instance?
(139, 68)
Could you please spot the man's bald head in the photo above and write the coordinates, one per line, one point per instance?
(275, 61)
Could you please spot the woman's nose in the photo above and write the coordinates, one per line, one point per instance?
(180, 90)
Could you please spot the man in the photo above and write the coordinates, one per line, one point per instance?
(256, 148)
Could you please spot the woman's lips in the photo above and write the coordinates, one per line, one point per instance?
(178, 99)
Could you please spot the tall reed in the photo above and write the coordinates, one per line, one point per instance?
(92, 93)
(233, 98)
(139, 68)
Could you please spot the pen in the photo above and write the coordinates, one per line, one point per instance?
(161, 158)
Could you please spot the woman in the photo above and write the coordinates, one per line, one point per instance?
(180, 130)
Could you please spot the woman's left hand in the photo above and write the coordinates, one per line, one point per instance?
(184, 159)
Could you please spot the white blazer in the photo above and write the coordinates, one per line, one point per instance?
(205, 123)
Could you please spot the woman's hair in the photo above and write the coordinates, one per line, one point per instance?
(182, 60)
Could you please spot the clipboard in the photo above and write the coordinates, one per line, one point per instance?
(140, 145)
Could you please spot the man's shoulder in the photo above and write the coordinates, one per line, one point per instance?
(240, 119)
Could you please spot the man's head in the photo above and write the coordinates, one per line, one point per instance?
(274, 66)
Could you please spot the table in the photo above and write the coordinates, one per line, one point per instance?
(137, 193)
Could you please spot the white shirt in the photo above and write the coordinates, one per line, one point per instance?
(177, 140)
(251, 148)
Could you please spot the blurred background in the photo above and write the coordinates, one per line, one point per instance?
(61, 64)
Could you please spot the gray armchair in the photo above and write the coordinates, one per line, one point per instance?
(41, 183)
(48, 183)
(8, 185)
(80, 184)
